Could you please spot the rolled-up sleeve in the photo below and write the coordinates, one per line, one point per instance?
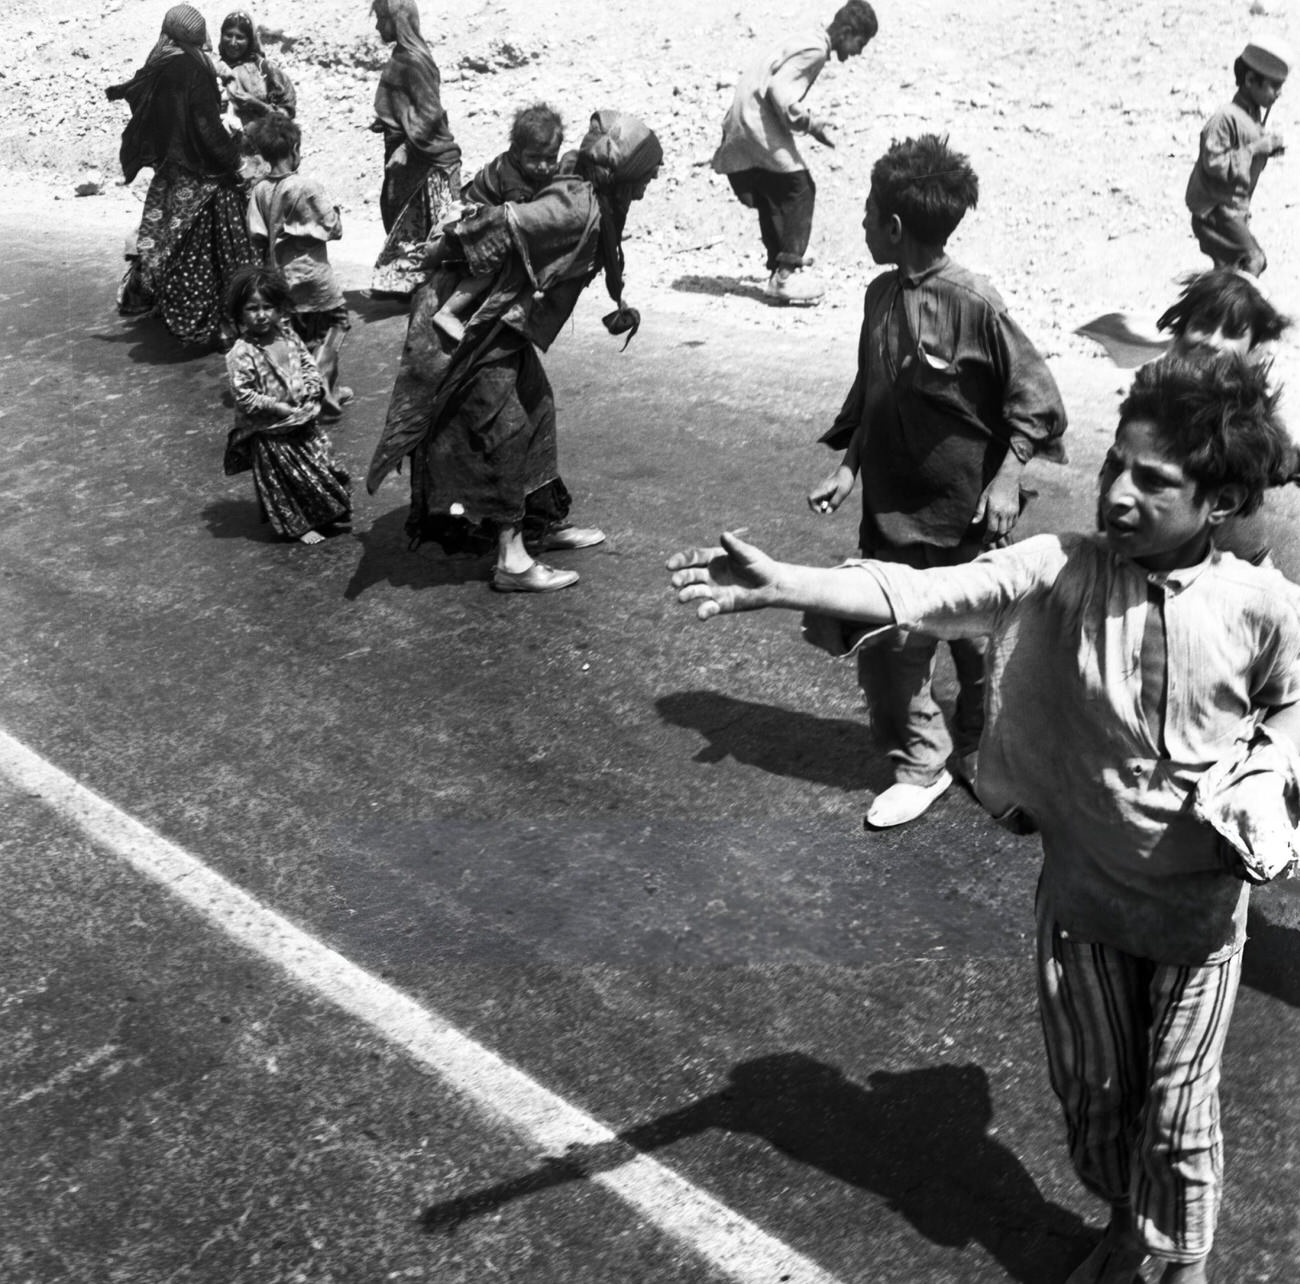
(1032, 409)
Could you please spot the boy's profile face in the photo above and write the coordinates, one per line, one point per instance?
(1147, 506)
(880, 244)
(847, 44)
(1262, 90)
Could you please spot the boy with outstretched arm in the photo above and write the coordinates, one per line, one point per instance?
(1128, 670)
(951, 400)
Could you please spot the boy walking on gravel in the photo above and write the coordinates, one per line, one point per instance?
(1144, 714)
(950, 402)
(761, 159)
(1235, 147)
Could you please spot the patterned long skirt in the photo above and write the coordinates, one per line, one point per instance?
(299, 483)
(414, 201)
(193, 236)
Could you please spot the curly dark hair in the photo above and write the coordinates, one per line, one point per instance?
(274, 137)
(927, 185)
(856, 18)
(1224, 296)
(254, 279)
(1218, 419)
(537, 125)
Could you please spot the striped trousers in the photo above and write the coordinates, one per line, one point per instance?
(1134, 1050)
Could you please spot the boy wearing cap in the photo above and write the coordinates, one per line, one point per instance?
(1235, 147)
(761, 159)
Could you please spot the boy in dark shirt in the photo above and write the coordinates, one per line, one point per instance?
(950, 402)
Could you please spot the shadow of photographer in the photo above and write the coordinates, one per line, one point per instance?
(918, 1139)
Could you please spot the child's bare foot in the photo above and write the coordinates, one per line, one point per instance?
(311, 537)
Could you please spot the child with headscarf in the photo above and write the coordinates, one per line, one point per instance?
(475, 413)
(421, 158)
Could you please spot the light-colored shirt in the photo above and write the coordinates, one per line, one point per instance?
(1227, 167)
(295, 215)
(1066, 739)
(767, 109)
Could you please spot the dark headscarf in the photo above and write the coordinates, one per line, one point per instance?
(409, 97)
(175, 105)
(618, 152)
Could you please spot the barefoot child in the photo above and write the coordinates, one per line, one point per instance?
(1235, 146)
(277, 391)
(1129, 671)
(950, 402)
(290, 222)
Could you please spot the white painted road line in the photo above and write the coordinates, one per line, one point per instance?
(723, 1237)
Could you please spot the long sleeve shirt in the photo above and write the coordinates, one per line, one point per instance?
(767, 109)
(1228, 167)
(947, 383)
(258, 383)
(1067, 738)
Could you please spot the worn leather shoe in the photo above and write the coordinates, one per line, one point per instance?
(559, 539)
(902, 802)
(794, 286)
(538, 578)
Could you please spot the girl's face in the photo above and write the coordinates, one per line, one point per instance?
(258, 317)
(235, 43)
(1205, 336)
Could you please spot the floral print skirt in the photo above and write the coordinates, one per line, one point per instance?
(300, 485)
(193, 236)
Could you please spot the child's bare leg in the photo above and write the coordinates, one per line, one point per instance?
(1119, 1256)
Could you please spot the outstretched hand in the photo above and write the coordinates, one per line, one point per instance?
(735, 577)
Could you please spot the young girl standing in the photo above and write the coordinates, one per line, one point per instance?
(277, 390)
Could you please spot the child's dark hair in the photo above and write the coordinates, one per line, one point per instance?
(1218, 419)
(254, 279)
(274, 137)
(536, 126)
(1224, 296)
(855, 18)
(927, 185)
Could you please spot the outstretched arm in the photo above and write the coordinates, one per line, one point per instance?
(739, 577)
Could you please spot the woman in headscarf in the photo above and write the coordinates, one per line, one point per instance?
(257, 86)
(421, 158)
(472, 407)
(193, 234)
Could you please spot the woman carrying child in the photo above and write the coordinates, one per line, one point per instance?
(472, 406)
(192, 234)
(257, 86)
(277, 390)
(421, 158)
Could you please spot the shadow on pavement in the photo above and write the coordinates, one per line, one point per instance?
(917, 1139)
(238, 519)
(155, 345)
(387, 557)
(1271, 963)
(826, 751)
(720, 285)
(367, 307)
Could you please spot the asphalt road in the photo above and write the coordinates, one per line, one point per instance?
(619, 849)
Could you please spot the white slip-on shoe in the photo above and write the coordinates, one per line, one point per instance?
(901, 802)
